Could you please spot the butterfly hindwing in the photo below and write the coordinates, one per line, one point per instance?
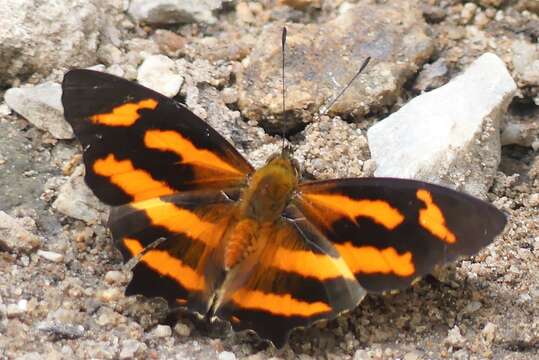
(139, 144)
(294, 279)
(188, 229)
(391, 231)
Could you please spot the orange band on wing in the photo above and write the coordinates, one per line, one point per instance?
(167, 265)
(377, 210)
(124, 115)
(433, 219)
(173, 141)
(307, 263)
(370, 260)
(284, 305)
(135, 182)
(133, 245)
(175, 219)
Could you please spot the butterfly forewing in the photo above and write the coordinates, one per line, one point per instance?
(139, 144)
(391, 231)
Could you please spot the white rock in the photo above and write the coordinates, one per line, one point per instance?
(13, 235)
(174, 11)
(51, 256)
(42, 106)
(158, 72)
(449, 135)
(42, 35)
(76, 200)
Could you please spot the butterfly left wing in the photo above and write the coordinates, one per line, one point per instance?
(391, 231)
(175, 238)
(139, 144)
(292, 279)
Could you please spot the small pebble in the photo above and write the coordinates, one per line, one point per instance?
(412, 355)
(114, 277)
(111, 294)
(454, 338)
(51, 256)
(14, 310)
(533, 200)
(489, 332)
(226, 355)
(161, 331)
(182, 330)
(130, 348)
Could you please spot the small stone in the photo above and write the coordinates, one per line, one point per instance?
(158, 72)
(110, 295)
(362, 355)
(454, 338)
(51, 256)
(489, 332)
(169, 42)
(468, 12)
(114, 277)
(449, 135)
(161, 331)
(182, 329)
(533, 200)
(62, 331)
(432, 76)
(174, 11)
(244, 13)
(526, 61)
(472, 307)
(109, 54)
(299, 4)
(41, 105)
(4, 109)
(76, 200)
(230, 95)
(412, 355)
(15, 310)
(226, 355)
(131, 348)
(14, 236)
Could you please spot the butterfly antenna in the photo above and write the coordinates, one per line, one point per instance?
(326, 108)
(283, 44)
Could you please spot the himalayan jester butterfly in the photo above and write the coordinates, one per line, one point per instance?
(258, 248)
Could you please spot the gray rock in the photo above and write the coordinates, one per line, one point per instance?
(322, 59)
(76, 200)
(42, 35)
(174, 11)
(449, 135)
(14, 236)
(521, 127)
(432, 76)
(526, 63)
(158, 72)
(42, 106)
(131, 348)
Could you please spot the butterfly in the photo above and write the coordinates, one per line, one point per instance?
(256, 247)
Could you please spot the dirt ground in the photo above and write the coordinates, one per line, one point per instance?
(66, 301)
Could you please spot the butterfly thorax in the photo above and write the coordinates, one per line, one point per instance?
(268, 193)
